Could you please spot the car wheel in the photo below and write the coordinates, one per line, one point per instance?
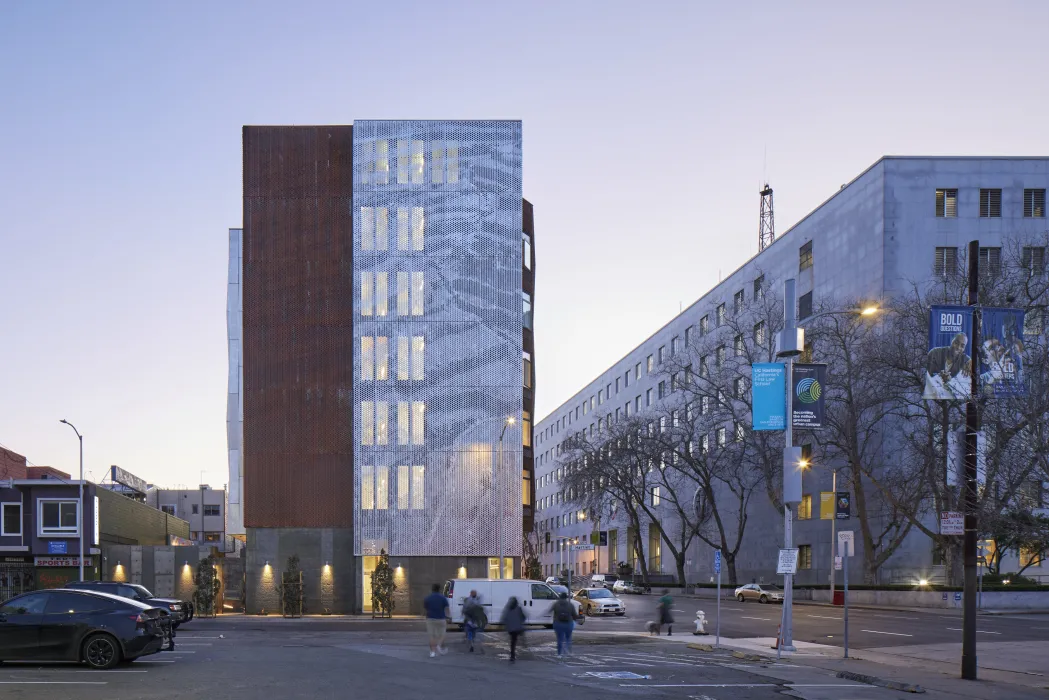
(763, 599)
(589, 610)
(101, 651)
(740, 598)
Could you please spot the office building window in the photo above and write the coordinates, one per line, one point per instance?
(526, 250)
(721, 315)
(382, 294)
(382, 422)
(662, 353)
(990, 203)
(759, 287)
(991, 261)
(760, 333)
(739, 432)
(626, 378)
(704, 444)
(805, 507)
(737, 302)
(367, 487)
(655, 496)
(947, 203)
(526, 362)
(367, 293)
(704, 325)
(675, 345)
(739, 345)
(375, 160)
(382, 488)
(739, 388)
(11, 518)
(367, 422)
(404, 233)
(648, 398)
(403, 284)
(418, 358)
(402, 358)
(637, 404)
(637, 371)
(526, 428)
(719, 356)
(675, 382)
(212, 511)
(1034, 203)
(403, 487)
(418, 423)
(403, 421)
(169, 509)
(1033, 260)
(805, 556)
(946, 262)
(1031, 557)
(662, 389)
(382, 359)
(650, 364)
(367, 358)
(527, 309)
(688, 336)
(617, 385)
(704, 366)
(805, 306)
(418, 229)
(195, 509)
(375, 228)
(418, 293)
(722, 437)
(805, 256)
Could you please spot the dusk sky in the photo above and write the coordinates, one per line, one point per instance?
(648, 131)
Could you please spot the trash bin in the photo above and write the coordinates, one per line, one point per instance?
(839, 597)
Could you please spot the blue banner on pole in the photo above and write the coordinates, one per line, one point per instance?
(948, 364)
(808, 403)
(768, 388)
(1002, 352)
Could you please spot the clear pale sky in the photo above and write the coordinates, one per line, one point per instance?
(648, 130)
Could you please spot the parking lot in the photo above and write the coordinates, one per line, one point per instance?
(270, 658)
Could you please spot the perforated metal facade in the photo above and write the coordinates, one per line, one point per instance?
(437, 337)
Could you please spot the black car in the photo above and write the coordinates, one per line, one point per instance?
(98, 629)
(179, 610)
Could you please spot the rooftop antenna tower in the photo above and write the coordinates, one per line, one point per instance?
(767, 226)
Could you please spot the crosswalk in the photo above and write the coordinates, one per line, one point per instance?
(583, 658)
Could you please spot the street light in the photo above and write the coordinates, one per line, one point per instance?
(498, 467)
(80, 508)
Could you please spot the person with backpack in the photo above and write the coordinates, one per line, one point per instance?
(473, 618)
(513, 622)
(665, 618)
(564, 622)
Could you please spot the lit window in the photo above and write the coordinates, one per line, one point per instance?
(1034, 203)
(1030, 557)
(403, 228)
(418, 228)
(382, 162)
(946, 203)
(437, 163)
(418, 162)
(382, 370)
(382, 294)
(418, 291)
(418, 487)
(805, 508)
(367, 228)
(402, 422)
(382, 488)
(367, 423)
(382, 228)
(805, 556)
(402, 358)
(403, 492)
(382, 421)
(526, 362)
(418, 361)
(403, 161)
(402, 293)
(367, 293)
(367, 358)
(655, 496)
(418, 422)
(367, 487)
(453, 164)
(367, 160)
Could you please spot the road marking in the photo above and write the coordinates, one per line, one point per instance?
(155, 662)
(763, 619)
(54, 682)
(956, 629)
(193, 644)
(631, 658)
(743, 685)
(824, 617)
(894, 634)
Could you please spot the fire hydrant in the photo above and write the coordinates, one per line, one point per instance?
(701, 622)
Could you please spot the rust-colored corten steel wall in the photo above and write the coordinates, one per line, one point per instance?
(298, 334)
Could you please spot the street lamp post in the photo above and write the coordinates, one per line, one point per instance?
(80, 508)
(498, 471)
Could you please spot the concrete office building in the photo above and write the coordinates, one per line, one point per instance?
(902, 220)
(380, 386)
(204, 508)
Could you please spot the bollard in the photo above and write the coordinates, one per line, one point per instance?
(701, 621)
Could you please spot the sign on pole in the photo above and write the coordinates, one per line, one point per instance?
(846, 548)
(788, 562)
(582, 548)
(808, 382)
(1002, 352)
(717, 561)
(844, 505)
(837, 563)
(948, 364)
(768, 387)
(952, 523)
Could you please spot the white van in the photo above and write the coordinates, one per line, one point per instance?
(535, 597)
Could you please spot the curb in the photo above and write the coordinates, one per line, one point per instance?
(873, 680)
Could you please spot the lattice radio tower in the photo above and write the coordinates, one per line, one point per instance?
(767, 226)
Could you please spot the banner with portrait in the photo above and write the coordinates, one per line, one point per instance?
(948, 363)
(1002, 353)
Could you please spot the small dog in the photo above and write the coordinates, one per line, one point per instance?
(652, 627)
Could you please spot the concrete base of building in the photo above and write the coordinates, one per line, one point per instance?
(329, 569)
(415, 576)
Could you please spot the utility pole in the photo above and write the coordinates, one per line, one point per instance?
(789, 347)
(972, 426)
(80, 499)
(833, 528)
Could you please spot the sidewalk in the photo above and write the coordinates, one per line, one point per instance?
(950, 611)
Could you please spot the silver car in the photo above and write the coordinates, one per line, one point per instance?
(599, 601)
(761, 592)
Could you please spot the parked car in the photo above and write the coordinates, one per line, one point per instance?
(761, 592)
(603, 580)
(599, 601)
(554, 581)
(537, 598)
(95, 628)
(180, 610)
(623, 586)
(559, 589)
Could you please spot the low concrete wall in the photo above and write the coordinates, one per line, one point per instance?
(991, 600)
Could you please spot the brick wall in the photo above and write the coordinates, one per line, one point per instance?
(124, 521)
(12, 465)
(46, 473)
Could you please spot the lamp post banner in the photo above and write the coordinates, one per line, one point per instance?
(1002, 352)
(808, 383)
(768, 382)
(948, 364)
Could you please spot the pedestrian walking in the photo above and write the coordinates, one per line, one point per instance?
(665, 616)
(473, 619)
(564, 614)
(436, 606)
(514, 623)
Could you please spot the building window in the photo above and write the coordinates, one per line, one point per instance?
(375, 226)
(739, 388)
(662, 389)
(411, 228)
(759, 333)
(212, 511)
(737, 302)
(991, 261)
(418, 358)
(637, 404)
(662, 353)
(675, 345)
(367, 487)
(675, 382)
(805, 306)
(58, 517)
(1030, 557)
(418, 293)
(402, 358)
(805, 507)
(704, 444)
(526, 363)
(526, 250)
(617, 384)
(655, 497)
(990, 203)
(805, 556)
(527, 309)
(526, 428)
(739, 345)
(688, 336)
(704, 325)
(418, 423)
(1034, 203)
(740, 434)
(805, 256)
(1033, 260)
(367, 423)
(648, 398)
(947, 203)
(946, 262)
(367, 358)
(759, 287)
(169, 509)
(212, 536)
(418, 487)
(721, 315)
(704, 366)
(11, 519)
(722, 437)
(367, 293)
(375, 159)
(195, 510)
(719, 356)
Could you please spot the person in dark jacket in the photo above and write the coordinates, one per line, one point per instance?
(514, 623)
(564, 615)
(473, 618)
(665, 617)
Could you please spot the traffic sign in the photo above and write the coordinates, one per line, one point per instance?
(952, 523)
(846, 548)
(837, 563)
(717, 561)
(788, 562)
